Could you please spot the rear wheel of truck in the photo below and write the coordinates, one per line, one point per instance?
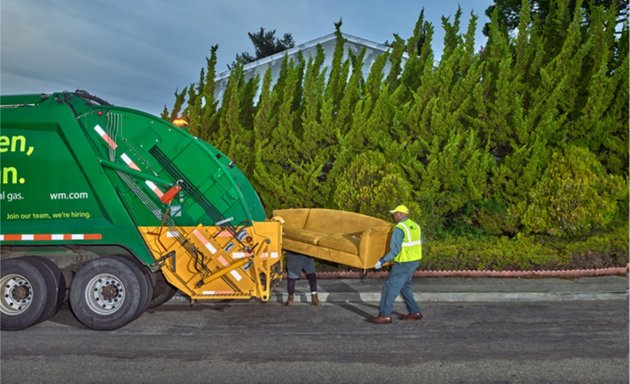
(163, 291)
(145, 282)
(106, 294)
(24, 294)
(57, 285)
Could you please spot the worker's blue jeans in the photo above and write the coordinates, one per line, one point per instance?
(399, 282)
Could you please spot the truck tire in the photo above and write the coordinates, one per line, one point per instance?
(24, 292)
(106, 294)
(145, 282)
(163, 291)
(57, 294)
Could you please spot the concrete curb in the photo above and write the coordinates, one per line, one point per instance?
(426, 297)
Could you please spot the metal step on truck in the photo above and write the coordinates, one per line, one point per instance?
(114, 210)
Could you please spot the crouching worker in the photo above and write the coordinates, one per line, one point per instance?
(405, 249)
(296, 263)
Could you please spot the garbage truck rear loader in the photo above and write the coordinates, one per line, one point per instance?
(114, 209)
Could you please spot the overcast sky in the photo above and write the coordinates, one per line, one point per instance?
(136, 53)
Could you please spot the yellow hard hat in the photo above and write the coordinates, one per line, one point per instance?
(180, 122)
(401, 209)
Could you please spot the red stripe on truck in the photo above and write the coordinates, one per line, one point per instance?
(112, 144)
(50, 237)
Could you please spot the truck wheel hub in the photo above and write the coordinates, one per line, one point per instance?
(105, 294)
(16, 294)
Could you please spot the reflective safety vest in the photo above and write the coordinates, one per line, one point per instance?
(412, 242)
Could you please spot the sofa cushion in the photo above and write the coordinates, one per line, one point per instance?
(341, 242)
(303, 235)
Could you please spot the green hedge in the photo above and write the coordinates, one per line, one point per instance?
(602, 250)
(492, 253)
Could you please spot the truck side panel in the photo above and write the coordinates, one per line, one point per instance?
(53, 187)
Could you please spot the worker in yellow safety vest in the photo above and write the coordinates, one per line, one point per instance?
(405, 250)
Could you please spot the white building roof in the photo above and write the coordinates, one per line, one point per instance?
(308, 50)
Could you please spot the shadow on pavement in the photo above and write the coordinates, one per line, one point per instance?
(348, 298)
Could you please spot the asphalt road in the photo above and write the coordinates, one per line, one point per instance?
(235, 342)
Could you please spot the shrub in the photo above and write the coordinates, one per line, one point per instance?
(603, 250)
(372, 186)
(574, 196)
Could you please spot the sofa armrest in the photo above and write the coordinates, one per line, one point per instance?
(374, 244)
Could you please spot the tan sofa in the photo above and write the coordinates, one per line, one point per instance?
(342, 237)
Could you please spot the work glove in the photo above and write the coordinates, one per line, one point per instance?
(378, 265)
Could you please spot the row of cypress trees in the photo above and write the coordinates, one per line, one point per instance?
(526, 137)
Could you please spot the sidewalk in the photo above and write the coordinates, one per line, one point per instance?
(463, 289)
(456, 289)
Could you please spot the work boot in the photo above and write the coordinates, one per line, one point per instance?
(380, 319)
(315, 299)
(289, 301)
(411, 316)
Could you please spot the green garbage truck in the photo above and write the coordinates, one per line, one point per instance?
(114, 210)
